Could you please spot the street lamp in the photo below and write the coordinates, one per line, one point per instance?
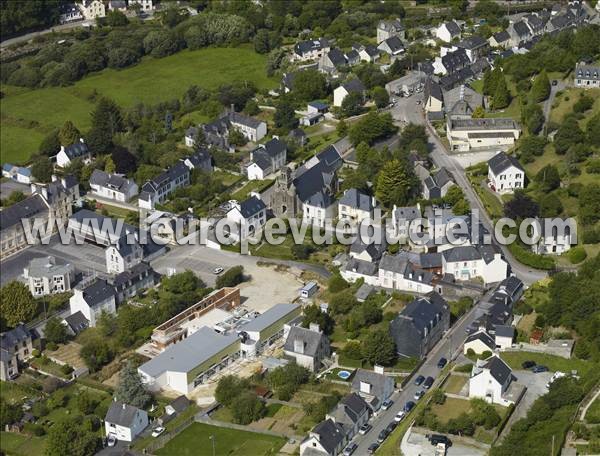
(212, 439)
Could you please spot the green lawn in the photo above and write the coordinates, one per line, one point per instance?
(21, 445)
(252, 186)
(455, 383)
(195, 440)
(152, 81)
(592, 416)
(554, 363)
(227, 178)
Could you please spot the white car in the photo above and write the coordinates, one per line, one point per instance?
(158, 431)
(112, 440)
(218, 271)
(400, 416)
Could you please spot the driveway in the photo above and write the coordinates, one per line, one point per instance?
(8, 186)
(414, 444)
(550, 100)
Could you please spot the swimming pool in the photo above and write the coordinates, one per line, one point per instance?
(344, 374)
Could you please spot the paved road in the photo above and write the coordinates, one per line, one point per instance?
(407, 110)
(548, 103)
(448, 348)
(29, 36)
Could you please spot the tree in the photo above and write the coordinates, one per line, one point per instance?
(116, 18)
(286, 380)
(9, 414)
(533, 117)
(228, 388)
(309, 85)
(521, 206)
(550, 205)
(593, 130)
(501, 98)
(109, 165)
(314, 314)
(130, 389)
(395, 183)
(285, 117)
(583, 104)
(342, 303)
(95, 354)
(67, 436)
(85, 403)
(50, 145)
(589, 203)
(55, 331)
(122, 57)
(548, 178)
(125, 162)
(274, 61)
(247, 407)
(352, 104)
(568, 135)
(106, 122)
(540, 90)
(380, 96)
(301, 251)
(378, 347)
(16, 303)
(160, 43)
(371, 128)
(251, 107)
(231, 277)
(342, 128)
(265, 41)
(531, 146)
(478, 113)
(337, 283)
(68, 134)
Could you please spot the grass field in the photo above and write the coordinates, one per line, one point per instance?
(554, 363)
(195, 440)
(19, 444)
(252, 186)
(455, 383)
(153, 80)
(592, 415)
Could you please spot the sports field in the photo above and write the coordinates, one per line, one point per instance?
(28, 115)
(195, 440)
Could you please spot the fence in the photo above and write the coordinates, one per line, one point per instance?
(163, 439)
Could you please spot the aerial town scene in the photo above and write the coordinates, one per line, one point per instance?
(300, 227)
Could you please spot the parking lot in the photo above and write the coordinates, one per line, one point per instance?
(415, 444)
(8, 186)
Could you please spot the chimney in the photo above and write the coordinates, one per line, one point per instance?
(314, 327)
(378, 369)
(298, 346)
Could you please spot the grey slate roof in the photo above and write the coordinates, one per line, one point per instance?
(177, 170)
(423, 312)
(521, 29)
(9, 339)
(236, 117)
(395, 44)
(357, 199)
(303, 47)
(361, 267)
(377, 381)
(77, 322)
(47, 267)
(457, 77)
(587, 72)
(97, 292)
(200, 157)
(499, 370)
(505, 331)
(251, 206)
(453, 28)
(133, 275)
(393, 25)
(501, 162)
(472, 42)
(371, 50)
(433, 89)
(354, 85)
(269, 317)
(483, 337)
(430, 260)
(337, 57)
(121, 414)
(112, 181)
(407, 213)
(189, 353)
(330, 435)
(355, 406)
(78, 149)
(353, 56)
(310, 339)
(32, 206)
(454, 61)
(461, 253)
(502, 36)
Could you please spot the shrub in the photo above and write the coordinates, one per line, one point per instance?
(529, 258)
(464, 368)
(577, 254)
(231, 277)
(51, 346)
(66, 369)
(34, 429)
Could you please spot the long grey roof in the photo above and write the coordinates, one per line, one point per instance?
(424, 312)
(9, 339)
(361, 267)
(377, 381)
(433, 89)
(166, 177)
(121, 414)
(483, 337)
(407, 213)
(354, 85)
(395, 44)
(453, 28)
(47, 267)
(461, 253)
(304, 47)
(133, 275)
(189, 353)
(269, 317)
(501, 161)
(455, 60)
(97, 292)
(112, 181)
(502, 36)
(357, 199)
(236, 117)
(588, 72)
(497, 123)
(499, 370)
(337, 57)
(330, 434)
(310, 340)
(33, 206)
(251, 206)
(472, 42)
(76, 150)
(505, 331)
(77, 322)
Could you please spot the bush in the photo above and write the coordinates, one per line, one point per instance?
(66, 369)
(337, 283)
(577, 254)
(34, 429)
(231, 277)
(51, 346)
(531, 259)
(35, 353)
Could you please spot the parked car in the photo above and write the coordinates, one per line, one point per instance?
(528, 364)
(419, 394)
(428, 382)
(350, 449)
(391, 426)
(157, 431)
(382, 436)
(554, 82)
(420, 379)
(539, 368)
(373, 448)
(387, 404)
(399, 416)
(409, 406)
(438, 438)
(365, 428)
(112, 440)
(218, 271)
(442, 362)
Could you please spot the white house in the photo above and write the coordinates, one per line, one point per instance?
(308, 346)
(93, 299)
(467, 135)
(373, 385)
(45, 277)
(250, 216)
(390, 28)
(310, 49)
(356, 206)
(145, 5)
(392, 46)
(505, 173)
(117, 5)
(17, 173)
(490, 380)
(266, 159)
(448, 31)
(125, 421)
(504, 336)
(122, 256)
(479, 342)
(402, 217)
(326, 438)
(67, 154)
(354, 85)
(468, 262)
(91, 9)
(253, 129)
(158, 189)
(552, 240)
(112, 186)
(587, 76)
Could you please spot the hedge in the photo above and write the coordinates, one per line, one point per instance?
(577, 254)
(531, 259)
